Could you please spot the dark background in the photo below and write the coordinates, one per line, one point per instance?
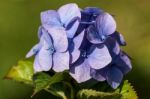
(19, 21)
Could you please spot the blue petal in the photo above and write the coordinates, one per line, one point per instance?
(61, 61)
(68, 12)
(105, 24)
(59, 37)
(99, 58)
(84, 18)
(72, 30)
(75, 54)
(93, 36)
(50, 18)
(37, 66)
(123, 63)
(92, 10)
(99, 75)
(47, 38)
(114, 77)
(77, 41)
(33, 51)
(81, 72)
(119, 37)
(45, 57)
(40, 32)
(112, 46)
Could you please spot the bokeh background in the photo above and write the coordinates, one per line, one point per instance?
(19, 21)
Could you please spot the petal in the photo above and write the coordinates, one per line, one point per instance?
(45, 59)
(112, 46)
(78, 40)
(61, 61)
(114, 77)
(105, 24)
(93, 10)
(81, 72)
(34, 50)
(84, 18)
(99, 75)
(99, 58)
(40, 32)
(59, 37)
(93, 36)
(50, 18)
(75, 54)
(71, 32)
(119, 37)
(123, 63)
(68, 12)
(77, 43)
(37, 66)
(47, 40)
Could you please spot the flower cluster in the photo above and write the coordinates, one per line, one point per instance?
(84, 42)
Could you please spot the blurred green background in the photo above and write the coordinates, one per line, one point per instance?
(19, 21)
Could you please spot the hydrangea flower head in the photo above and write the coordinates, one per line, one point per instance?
(84, 42)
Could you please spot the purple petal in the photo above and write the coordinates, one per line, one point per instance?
(93, 36)
(59, 37)
(99, 75)
(75, 55)
(78, 40)
(45, 59)
(114, 77)
(37, 66)
(33, 51)
(68, 12)
(119, 37)
(50, 18)
(123, 63)
(61, 61)
(47, 38)
(105, 24)
(71, 32)
(93, 10)
(112, 46)
(81, 73)
(40, 32)
(99, 58)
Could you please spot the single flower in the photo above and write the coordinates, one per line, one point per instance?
(67, 17)
(104, 26)
(50, 53)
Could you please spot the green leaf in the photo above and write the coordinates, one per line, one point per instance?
(127, 91)
(93, 94)
(22, 72)
(62, 89)
(43, 81)
(58, 77)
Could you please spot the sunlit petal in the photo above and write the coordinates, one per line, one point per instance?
(99, 58)
(105, 24)
(81, 72)
(61, 61)
(59, 37)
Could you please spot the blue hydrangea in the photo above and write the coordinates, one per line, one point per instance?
(83, 41)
